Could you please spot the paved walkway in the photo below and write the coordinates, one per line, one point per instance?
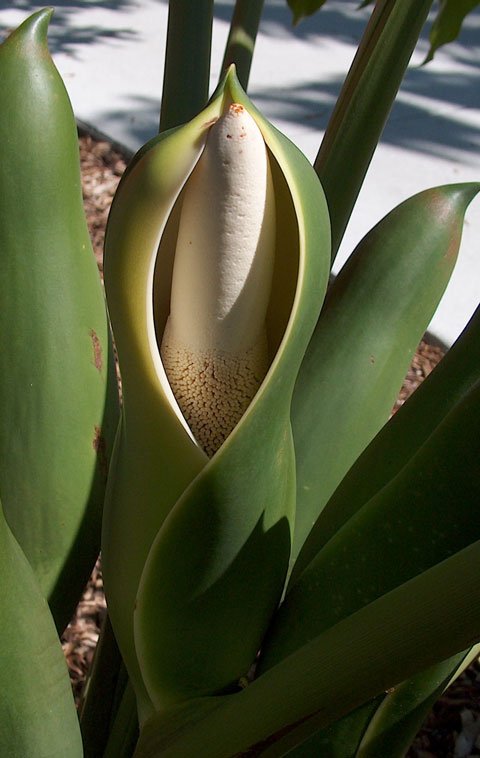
(110, 53)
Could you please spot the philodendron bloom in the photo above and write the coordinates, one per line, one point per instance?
(214, 346)
(217, 258)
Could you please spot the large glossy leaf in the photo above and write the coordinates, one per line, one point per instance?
(55, 429)
(356, 659)
(404, 708)
(393, 719)
(364, 103)
(399, 439)
(197, 622)
(37, 713)
(375, 314)
(448, 23)
(424, 514)
(388, 723)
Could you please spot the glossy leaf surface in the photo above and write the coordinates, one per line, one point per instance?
(375, 314)
(55, 426)
(404, 708)
(399, 439)
(423, 515)
(355, 660)
(395, 717)
(37, 713)
(386, 725)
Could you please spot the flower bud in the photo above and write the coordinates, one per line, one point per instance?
(214, 347)
(217, 260)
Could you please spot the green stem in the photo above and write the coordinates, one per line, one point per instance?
(364, 103)
(124, 734)
(97, 709)
(187, 61)
(241, 39)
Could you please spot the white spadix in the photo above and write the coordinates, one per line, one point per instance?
(214, 348)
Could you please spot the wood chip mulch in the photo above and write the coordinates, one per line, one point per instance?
(452, 729)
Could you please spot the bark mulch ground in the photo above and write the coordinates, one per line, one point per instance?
(452, 729)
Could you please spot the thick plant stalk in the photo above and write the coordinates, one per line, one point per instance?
(98, 705)
(187, 59)
(364, 103)
(241, 39)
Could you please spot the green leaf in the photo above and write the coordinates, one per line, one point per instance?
(423, 515)
(395, 718)
(37, 712)
(387, 724)
(350, 663)
(448, 23)
(56, 426)
(375, 314)
(229, 518)
(302, 8)
(364, 103)
(150, 441)
(404, 708)
(399, 439)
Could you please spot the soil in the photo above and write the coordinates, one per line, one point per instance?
(452, 729)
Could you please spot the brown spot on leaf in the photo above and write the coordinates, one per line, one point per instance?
(454, 245)
(97, 350)
(100, 447)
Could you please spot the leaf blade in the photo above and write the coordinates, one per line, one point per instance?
(58, 390)
(375, 314)
(313, 687)
(448, 23)
(400, 438)
(37, 712)
(422, 516)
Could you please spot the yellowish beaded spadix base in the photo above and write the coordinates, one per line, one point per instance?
(214, 347)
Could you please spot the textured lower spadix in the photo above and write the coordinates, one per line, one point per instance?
(213, 387)
(214, 347)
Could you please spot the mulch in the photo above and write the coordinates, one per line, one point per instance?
(452, 729)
